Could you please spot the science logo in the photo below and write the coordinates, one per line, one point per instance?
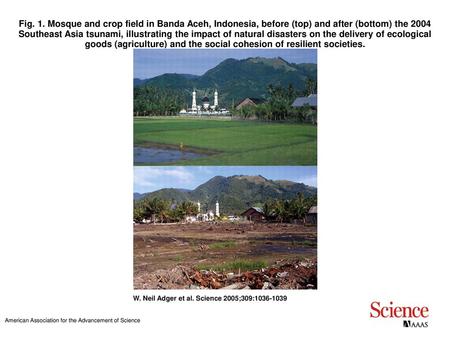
(413, 316)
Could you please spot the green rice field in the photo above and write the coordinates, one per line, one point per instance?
(227, 142)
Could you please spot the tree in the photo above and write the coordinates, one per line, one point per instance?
(149, 100)
(280, 210)
(268, 210)
(138, 214)
(184, 209)
(153, 209)
(280, 101)
(298, 207)
(288, 210)
(310, 87)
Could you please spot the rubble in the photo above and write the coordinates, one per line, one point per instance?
(235, 286)
(282, 275)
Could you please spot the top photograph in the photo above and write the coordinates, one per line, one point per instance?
(225, 107)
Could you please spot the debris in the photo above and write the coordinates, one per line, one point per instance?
(285, 275)
(282, 274)
(235, 286)
(165, 256)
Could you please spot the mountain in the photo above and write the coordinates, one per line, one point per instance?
(138, 82)
(172, 81)
(238, 79)
(235, 193)
(170, 194)
(138, 196)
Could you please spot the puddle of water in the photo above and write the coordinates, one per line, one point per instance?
(285, 244)
(157, 155)
(283, 249)
(284, 237)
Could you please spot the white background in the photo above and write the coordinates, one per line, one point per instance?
(66, 179)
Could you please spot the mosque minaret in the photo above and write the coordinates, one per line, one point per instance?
(216, 99)
(205, 108)
(194, 101)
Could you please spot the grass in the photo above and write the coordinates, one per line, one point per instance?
(177, 258)
(222, 245)
(306, 243)
(242, 265)
(231, 142)
(310, 244)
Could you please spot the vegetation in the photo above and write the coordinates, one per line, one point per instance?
(149, 100)
(222, 245)
(231, 142)
(275, 210)
(177, 258)
(242, 265)
(235, 79)
(155, 101)
(276, 80)
(307, 243)
(288, 210)
(279, 106)
(156, 209)
(236, 193)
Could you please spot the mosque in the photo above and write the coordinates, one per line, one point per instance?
(205, 108)
(204, 217)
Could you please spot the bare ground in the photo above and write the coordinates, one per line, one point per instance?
(209, 255)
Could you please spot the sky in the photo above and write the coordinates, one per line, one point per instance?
(149, 63)
(148, 179)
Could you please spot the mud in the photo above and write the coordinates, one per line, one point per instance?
(161, 248)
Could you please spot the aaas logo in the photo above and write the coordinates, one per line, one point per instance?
(413, 316)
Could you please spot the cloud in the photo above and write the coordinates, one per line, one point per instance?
(310, 180)
(204, 170)
(142, 182)
(150, 177)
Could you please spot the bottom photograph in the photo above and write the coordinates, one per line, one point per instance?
(225, 227)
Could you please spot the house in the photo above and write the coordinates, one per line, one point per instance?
(191, 219)
(310, 100)
(311, 216)
(207, 217)
(254, 214)
(249, 101)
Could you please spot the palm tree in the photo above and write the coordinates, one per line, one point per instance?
(186, 208)
(279, 211)
(138, 214)
(268, 209)
(298, 207)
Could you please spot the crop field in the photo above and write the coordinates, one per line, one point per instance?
(227, 142)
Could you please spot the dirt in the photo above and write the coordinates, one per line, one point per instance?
(283, 275)
(169, 256)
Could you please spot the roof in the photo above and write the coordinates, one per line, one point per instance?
(313, 210)
(205, 99)
(306, 100)
(257, 209)
(255, 100)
